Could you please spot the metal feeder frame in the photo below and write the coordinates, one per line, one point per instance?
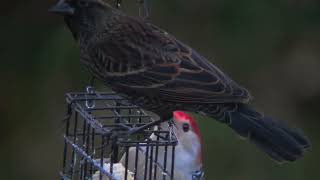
(102, 126)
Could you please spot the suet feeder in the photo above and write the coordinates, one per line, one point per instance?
(102, 127)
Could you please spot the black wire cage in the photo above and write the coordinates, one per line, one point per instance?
(106, 137)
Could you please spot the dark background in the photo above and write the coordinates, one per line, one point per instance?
(272, 47)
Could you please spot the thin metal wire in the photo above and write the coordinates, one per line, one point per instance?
(136, 161)
(156, 159)
(126, 163)
(65, 151)
(87, 150)
(118, 3)
(101, 159)
(151, 162)
(165, 162)
(90, 103)
(146, 162)
(172, 162)
(73, 156)
(93, 150)
(84, 128)
(144, 9)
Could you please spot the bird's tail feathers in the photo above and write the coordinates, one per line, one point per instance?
(279, 141)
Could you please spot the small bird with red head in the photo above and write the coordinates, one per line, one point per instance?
(188, 152)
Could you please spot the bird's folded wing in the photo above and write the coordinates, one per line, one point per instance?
(177, 84)
(145, 58)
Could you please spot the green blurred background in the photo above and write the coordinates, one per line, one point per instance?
(272, 47)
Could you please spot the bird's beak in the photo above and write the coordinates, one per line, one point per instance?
(62, 8)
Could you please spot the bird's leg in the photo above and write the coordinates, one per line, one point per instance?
(144, 9)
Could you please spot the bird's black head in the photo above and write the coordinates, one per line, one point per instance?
(83, 17)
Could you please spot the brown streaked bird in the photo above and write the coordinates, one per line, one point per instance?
(161, 74)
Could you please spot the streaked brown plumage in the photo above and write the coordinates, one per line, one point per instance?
(161, 74)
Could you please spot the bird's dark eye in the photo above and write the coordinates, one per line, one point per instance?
(185, 127)
(83, 3)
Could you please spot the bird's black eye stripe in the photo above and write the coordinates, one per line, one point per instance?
(185, 127)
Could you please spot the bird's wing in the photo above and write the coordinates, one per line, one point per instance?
(142, 57)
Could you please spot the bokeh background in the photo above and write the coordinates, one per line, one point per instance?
(272, 47)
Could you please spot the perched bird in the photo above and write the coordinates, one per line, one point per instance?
(187, 159)
(161, 74)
